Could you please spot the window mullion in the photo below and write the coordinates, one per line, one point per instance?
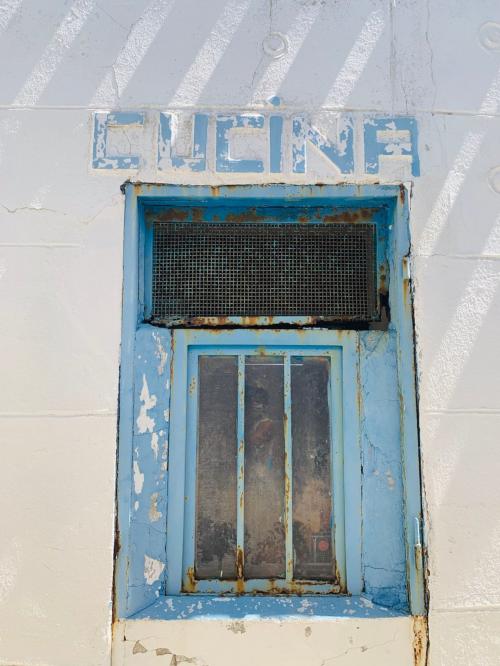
(288, 470)
(240, 466)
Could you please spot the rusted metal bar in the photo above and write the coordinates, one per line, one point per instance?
(288, 469)
(240, 466)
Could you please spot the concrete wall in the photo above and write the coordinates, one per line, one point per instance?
(61, 274)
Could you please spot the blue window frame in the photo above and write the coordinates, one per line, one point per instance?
(375, 510)
(244, 345)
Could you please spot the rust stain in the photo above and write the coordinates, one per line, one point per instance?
(208, 321)
(215, 189)
(240, 583)
(255, 320)
(246, 215)
(250, 321)
(356, 215)
(197, 214)
(406, 282)
(273, 587)
(419, 640)
(189, 585)
(172, 215)
(402, 193)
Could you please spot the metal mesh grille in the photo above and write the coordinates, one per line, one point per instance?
(208, 269)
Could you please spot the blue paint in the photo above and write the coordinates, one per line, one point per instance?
(391, 136)
(339, 152)
(275, 144)
(126, 400)
(224, 162)
(150, 445)
(275, 101)
(167, 159)
(310, 608)
(101, 159)
(403, 314)
(379, 553)
(384, 570)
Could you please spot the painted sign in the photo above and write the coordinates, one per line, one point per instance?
(275, 142)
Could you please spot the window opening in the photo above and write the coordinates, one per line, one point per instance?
(252, 432)
(261, 431)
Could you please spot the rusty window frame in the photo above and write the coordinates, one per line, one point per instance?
(324, 214)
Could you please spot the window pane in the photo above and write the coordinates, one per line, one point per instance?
(264, 467)
(311, 465)
(216, 468)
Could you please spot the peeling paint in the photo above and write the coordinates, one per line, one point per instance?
(138, 648)
(237, 627)
(161, 354)
(154, 514)
(154, 444)
(152, 569)
(144, 422)
(138, 478)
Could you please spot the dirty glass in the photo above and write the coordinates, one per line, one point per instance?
(264, 467)
(216, 478)
(311, 469)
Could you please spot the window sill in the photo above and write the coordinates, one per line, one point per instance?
(200, 607)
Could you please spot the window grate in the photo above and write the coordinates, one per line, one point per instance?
(208, 269)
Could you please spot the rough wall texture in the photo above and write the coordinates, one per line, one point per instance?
(60, 277)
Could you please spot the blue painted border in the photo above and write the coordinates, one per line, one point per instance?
(310, 608)
(340, 347)
(396, 197)
(130, 300)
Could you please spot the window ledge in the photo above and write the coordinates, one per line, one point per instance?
(200, 607)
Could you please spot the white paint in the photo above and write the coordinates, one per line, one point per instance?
(139, 40)
(154, 444)
(8, 9)
(161, 354)
(9, 563)
(154, 514)
(208, 57)
(146, 423)
(61, 290)
(152, 569)
(275, 71)
(138, 478)
(64, 36)
(356, 61)
(314, 642)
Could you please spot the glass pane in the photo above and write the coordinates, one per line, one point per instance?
(311, 468)
(216, 467)
(264, 467)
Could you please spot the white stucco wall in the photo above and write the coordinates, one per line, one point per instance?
(61, 275)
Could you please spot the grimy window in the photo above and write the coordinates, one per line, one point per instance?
(264, 484)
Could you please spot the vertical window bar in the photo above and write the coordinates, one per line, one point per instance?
(288, 470)
(240, 466)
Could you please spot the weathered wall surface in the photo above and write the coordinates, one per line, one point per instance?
(437, 62)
